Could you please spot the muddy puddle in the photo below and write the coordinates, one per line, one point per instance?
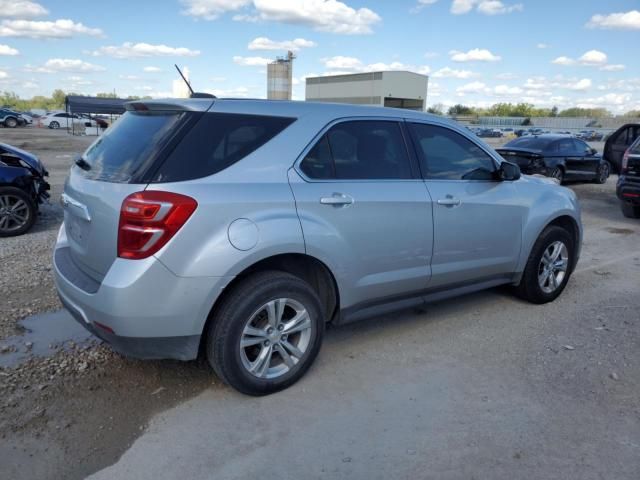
(44, 334)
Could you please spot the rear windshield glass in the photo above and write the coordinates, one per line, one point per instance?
(217, 141)
(534, 143)
(130, 145)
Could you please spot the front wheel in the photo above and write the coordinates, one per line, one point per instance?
(54, 125)
(11, 122)
(17, 212)
(549, 266)
(603, 173)
(266, 333)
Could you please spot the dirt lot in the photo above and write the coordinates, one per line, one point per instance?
(480, 387)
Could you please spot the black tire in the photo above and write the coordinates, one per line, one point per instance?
(558, 174)
(10, 122)
(237, 308)
(629, 210)
(603, 172)
(54, 125)
(32, 210)
(529, 288)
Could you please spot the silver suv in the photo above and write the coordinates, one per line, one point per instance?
(240, 228)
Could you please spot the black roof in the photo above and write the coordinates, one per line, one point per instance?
(79, 104)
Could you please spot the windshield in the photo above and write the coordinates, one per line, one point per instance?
(533, 143)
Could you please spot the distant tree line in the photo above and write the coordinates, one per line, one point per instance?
(54, 102)
(525, 110)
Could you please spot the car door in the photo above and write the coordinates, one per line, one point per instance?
(587, 162)
(618, 144)
(477, 219)
(364, 210)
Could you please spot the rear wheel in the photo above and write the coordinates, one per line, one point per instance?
(266, 333)
(549, 266)
(603, 173)
(11, 122)
(629, 210)
(17, 212)
(54, 124)
(558, 174)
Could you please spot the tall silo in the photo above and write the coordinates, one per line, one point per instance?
(279, 77)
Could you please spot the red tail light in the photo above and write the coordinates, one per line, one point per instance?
(149, 219)
(625, 161)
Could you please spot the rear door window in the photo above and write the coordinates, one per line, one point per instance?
(216, 142)
(360, 150)
(130, 146)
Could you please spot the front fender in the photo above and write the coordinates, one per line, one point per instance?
(548, 204)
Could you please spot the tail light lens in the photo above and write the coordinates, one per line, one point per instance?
(149, 219)
(625, 161)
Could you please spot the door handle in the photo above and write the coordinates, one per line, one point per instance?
(337, 200)
(449, 202)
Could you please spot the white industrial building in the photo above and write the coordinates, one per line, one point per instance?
(280, 78)
(398, 89)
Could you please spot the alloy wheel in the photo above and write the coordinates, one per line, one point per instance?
(14, 213)
(604, 172)
(275, 338)
(553, 267)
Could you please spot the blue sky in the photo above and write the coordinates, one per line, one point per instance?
(477, 52)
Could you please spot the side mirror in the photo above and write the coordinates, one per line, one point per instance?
(509, 171)
(593, 151)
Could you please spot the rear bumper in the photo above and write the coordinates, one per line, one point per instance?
(140, 307)
(628, 190)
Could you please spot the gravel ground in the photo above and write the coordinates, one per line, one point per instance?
(79, 410)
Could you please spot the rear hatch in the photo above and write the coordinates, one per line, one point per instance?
(117, 164)
(526, 159)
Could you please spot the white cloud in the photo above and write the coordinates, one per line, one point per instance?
(211, 9)
(30, 85)
(137, 50)
(129, 77)
(593, 57)
(341, 62)
(447, 72)
(422, 4)
(618, 67)
(474, 55)
(430, 54)
(505, 90)
(3, 74)
(542, 45)
(152, 69)
(616, 21)
(487, 7)
(506, 76)
(8, 51)
(473, 87)
(339, 65)
(264, 43)
(21, 9)
(537, 83)
(580, 85)
(566, 61)
(324, 15)
(608, 100)
(65, 65)
(238, 92)
(63, 28)
(251, 61)
(495, 7)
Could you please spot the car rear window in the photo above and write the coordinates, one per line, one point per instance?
(131, 145)
(534, 143)
(216, 142)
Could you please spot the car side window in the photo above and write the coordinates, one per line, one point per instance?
(581, 147)
(623, 137)
(566, 147)
(360, 150)
(447, 155)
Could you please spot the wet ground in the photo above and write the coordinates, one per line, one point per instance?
(484, 386)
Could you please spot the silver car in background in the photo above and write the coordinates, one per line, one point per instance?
(241, 227)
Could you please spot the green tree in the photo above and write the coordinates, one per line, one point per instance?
(437, 109)
(585, 112)
(554, 111)
(460, 110)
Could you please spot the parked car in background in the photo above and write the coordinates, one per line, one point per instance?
(618, 143)
(241, 227)
(628, 186)
(65, 120)
(11, 119)
(558, 156)
(22, 189)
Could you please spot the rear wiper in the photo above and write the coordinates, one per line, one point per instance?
(83, 164)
